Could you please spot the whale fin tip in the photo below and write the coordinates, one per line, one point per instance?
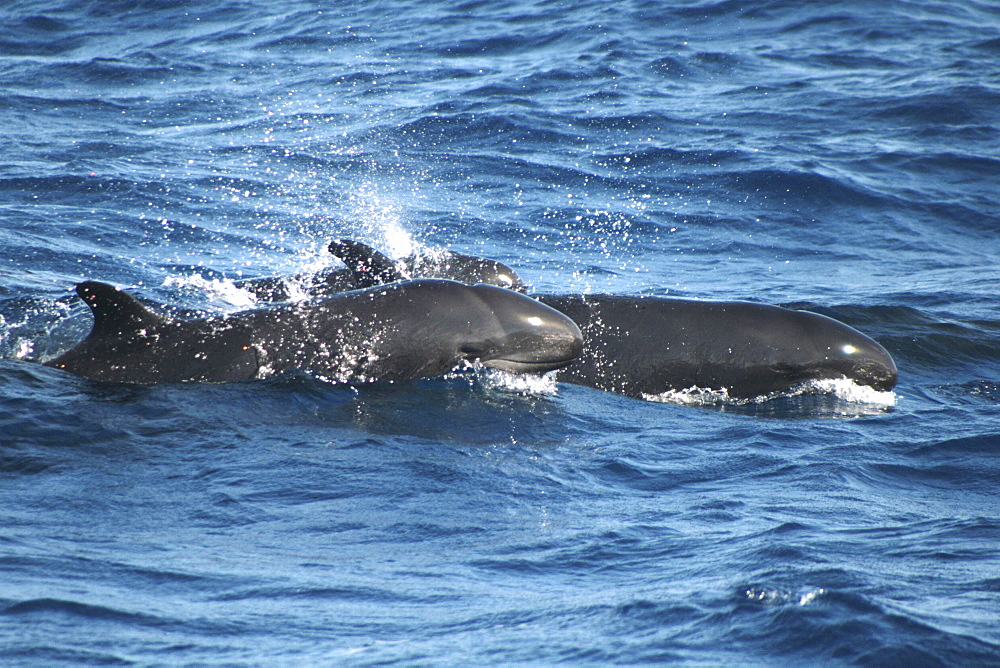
(369, 266)
(116, 312)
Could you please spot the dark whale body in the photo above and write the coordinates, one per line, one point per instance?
(377, 269)
(392, 332)
(646, 346)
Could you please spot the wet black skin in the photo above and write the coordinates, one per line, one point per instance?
(640, 346)
(392, 332)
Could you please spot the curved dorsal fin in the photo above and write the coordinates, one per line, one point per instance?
(116, 312)
(370, 267)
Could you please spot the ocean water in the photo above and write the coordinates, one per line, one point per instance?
(842, 157)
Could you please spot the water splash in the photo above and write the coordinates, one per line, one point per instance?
(847, 390)
(382, 221)
(24, 349)
(221, 290)
(525, 384)
(499, 380)
(781, 597)
(844, 389)
(26, 330)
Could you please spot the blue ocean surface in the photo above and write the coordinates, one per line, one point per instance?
(841, 157)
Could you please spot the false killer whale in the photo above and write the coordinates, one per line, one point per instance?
(374, 268)
(391, 332)
(646, 346)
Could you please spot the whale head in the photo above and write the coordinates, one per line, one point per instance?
(828, 348)
(465, 269)
(865, 362)
(520, 334)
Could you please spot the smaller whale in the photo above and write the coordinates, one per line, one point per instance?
(646, 346)
(442, 264)
(393, 332)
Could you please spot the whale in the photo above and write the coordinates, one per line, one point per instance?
(644, 347)
(378, 269)
(393, 332)
(648, 346)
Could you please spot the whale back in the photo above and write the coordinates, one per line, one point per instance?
(130, 343)
(463, 268)
(116, 313)
(399, 331)
(367, 267)
(422, 327)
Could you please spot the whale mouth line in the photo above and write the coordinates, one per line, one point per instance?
(520, 366)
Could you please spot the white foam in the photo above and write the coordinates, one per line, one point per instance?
(506, 381)
(520, 383)
(692, 396)
(842, 388)
(848, 390)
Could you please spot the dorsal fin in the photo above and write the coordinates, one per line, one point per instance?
(370, 267)
(116, 312)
